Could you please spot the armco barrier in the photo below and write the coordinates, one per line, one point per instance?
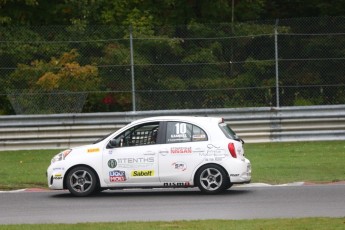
(264, 124)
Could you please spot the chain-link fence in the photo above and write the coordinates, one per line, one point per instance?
(68, 69)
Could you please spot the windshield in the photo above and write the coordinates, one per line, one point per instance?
(102, 138)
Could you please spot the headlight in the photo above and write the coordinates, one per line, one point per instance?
(61, 156)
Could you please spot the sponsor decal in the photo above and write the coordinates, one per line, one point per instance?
(234, 174)
(136, 173)
(140, 162)
(58, 169)
(176, 184)
(199, 137)
(179, 165)
(214, 151)
(178, 138)
(181, 135)
(149, 153)
(164, 152)
(93, 150)
(199, 151)
(211, 146)
(180, 150)
(57, 176)
(209, 159)
(112, 163)
(117, 176)
(136, 160)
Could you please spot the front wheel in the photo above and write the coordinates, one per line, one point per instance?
(212, 179)
(81, 181)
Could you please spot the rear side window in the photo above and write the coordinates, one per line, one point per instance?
(184, 132)
(229, 133)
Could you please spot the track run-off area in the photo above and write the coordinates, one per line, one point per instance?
(253, 201)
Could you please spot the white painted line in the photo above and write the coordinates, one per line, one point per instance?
(13, 191)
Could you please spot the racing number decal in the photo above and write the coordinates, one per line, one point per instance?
(178, 132)
(181, 128)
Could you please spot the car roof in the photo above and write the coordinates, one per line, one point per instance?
(191, 119)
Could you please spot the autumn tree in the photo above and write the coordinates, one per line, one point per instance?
(60, 85)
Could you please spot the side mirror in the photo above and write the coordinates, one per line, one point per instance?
(112, 144)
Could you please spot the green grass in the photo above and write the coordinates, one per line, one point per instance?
(273, 163)
(277, 163)
(266, 224)
(25, 168)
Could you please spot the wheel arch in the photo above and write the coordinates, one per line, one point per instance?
(209, 164)
(81, 165)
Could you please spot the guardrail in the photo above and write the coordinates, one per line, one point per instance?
(264, 124)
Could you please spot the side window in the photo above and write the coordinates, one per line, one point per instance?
(198, 134)
(145, 134)
(184, 132)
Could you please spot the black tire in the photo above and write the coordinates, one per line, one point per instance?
(229, 186)
(81, 181)
(212, 179)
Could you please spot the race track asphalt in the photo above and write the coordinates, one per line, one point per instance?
(248, 202)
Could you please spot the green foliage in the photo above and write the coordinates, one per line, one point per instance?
(173, 83)
(22, 44)
(108, 102)
(57, 77)
(173, 12)
(116, 53)
(142, 21)
(249, 9)
(201, 55)
(62, 73)
(301, 100)
(198, 46)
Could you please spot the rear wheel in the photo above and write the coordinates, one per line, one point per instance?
(212, 179)
(81, 181)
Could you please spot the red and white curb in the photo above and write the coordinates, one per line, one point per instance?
(27, 190)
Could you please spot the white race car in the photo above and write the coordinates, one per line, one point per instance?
(168, 151)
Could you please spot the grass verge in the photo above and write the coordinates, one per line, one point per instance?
(267, 224)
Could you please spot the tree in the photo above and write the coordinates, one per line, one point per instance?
(49, 86)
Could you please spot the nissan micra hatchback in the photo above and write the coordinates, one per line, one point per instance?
(166, 152)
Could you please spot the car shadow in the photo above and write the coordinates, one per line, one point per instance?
(152, 192)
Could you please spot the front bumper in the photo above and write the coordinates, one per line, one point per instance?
(55, 176)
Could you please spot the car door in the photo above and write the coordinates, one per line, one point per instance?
(184, 148)
(131, 158)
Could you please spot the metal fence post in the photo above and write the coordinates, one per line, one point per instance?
(132, 68)
(276, 61)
